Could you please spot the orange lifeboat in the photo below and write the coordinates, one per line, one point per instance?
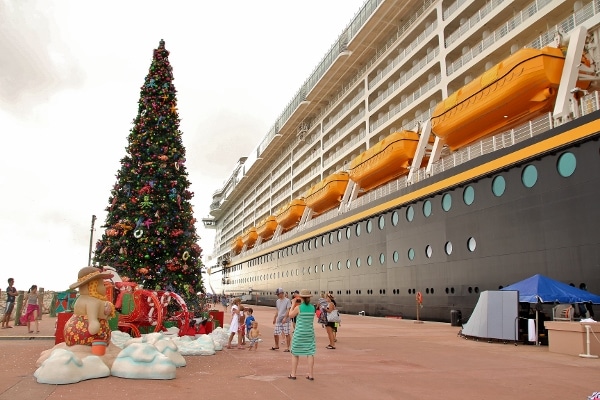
(249, 237)
(266, 228)
(328, 193)
(237, 245)
(386, 160)
(518, 88)
(289, 215)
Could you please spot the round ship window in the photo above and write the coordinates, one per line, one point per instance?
(566, 164)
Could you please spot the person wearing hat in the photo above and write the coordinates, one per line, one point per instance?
(91, 309)
(281, 320)
(303, 341)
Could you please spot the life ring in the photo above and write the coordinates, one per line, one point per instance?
(419, 298)
(185, 255)
(138, 233)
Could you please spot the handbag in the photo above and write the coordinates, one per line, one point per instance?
(333, 316)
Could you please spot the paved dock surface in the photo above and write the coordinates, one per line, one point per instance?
(375, 358)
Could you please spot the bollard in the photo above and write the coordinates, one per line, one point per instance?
(19, 308)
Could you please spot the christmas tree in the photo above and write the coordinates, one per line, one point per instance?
(150, 236)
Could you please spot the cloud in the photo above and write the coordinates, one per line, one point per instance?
(34, 63)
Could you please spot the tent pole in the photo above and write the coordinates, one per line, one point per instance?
(537, 342)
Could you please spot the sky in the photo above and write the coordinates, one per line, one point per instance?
(70, 79)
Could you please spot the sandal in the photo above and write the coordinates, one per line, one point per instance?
(286, 351)
(274, 348)
(310, 378)
(330, 347)
(291, 377)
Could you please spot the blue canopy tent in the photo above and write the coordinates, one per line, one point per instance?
(540, 288)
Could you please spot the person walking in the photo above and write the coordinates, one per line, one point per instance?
(331, 326)
(33, 310)
(235, 322)
(281, 320)
(11, 296)
(303, 341)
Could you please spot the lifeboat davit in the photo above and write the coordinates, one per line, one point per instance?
(328, 193)
(266, 228)
(519, 88)
(237, 245)
(388, 159)
(249, 237)
(289, 215)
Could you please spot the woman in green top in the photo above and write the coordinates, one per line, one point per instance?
(303, 341)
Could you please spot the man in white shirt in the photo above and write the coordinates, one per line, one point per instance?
(281, 320)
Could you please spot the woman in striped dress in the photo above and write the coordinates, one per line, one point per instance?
(303, 341)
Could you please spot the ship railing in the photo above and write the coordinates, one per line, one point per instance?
(403, 55)
(527, 12)
(347, 106)
(405, 77)
(473, 21)
(414, 96)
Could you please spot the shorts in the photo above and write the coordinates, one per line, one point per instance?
(282, 327)
(9, 308)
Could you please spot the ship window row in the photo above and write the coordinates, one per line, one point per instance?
(565, 166)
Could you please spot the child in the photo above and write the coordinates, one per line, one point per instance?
(249, 319)
(253, 336)
(241, 329)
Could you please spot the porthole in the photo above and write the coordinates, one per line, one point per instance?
(381, 258)
(316, 242)
(369, 260)
(339, 236)
(448, 248)
(469, 195)
(410, 213)
(330, 238)
(357, 229)
(339, 265)
(323, 268)
(395, 218)
(316, 269)
(308, 270)
(427, 208)
(369, 226)
(529, 176)
(566, 164)
(381, 222)
(347, 264)
(331, 266)
(498, 186)
(411, 254)
(471, 244)
(395, 256)
(428, 251)
(323, 240)
(447, 202)
(309, 244)
(348, 233)
(358, 262)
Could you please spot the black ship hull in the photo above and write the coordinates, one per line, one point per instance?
(450, 236)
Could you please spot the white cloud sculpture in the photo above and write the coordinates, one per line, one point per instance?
(143, 361)
(63, 367)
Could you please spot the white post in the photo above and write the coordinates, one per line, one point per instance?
(587, 337)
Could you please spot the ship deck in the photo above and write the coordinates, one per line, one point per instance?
(376, 358)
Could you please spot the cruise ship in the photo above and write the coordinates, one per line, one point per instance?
(439, 149)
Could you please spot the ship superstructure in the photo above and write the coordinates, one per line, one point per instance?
(384, 106)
